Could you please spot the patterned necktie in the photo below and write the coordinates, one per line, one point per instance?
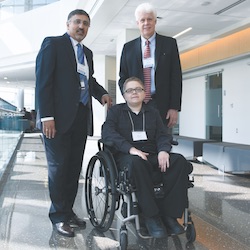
(147, 74)
(85, 91)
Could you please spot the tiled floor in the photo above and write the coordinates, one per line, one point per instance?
(220, 205)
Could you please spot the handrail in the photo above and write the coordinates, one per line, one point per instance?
(11, 129)
(8, 112)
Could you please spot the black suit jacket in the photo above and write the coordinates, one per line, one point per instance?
(58, 85)
(168, 75)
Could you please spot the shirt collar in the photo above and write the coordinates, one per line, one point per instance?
(73, 41)
(151, 39)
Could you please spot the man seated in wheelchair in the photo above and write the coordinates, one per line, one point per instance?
(143, 146)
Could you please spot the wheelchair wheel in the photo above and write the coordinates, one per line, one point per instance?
(190, 230)
(123, 238)
(191, 233)
(100, 191)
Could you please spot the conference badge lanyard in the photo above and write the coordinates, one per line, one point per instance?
(138, 135)
(84, 70)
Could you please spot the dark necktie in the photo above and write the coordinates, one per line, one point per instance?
(147, 74)
(85, 91)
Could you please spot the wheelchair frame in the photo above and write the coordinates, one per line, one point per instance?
(104, 188)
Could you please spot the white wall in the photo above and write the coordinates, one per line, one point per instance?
(192, 117)
(104, 71)
(124, 36)
(235, 101)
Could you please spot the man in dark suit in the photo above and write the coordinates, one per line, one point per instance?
(64, 87)
(164, 64)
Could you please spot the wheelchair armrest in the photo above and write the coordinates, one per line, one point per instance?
(106, 142)
(174, 142)
(109, 144)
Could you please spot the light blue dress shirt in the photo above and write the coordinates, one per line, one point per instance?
(152, 54)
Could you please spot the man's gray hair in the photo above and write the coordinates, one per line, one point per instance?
(145, 8)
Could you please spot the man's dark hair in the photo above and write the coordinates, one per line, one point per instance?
(78, 12)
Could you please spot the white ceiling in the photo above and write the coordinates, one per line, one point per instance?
(174, 16)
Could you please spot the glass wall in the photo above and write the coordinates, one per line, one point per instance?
(9, 8)
(11, 127)
(214, 107)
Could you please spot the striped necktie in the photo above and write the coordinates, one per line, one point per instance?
(147, 74)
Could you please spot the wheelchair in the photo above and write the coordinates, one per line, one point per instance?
(106, 188)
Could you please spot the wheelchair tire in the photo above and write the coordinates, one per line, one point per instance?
(123, 238)
(191, 233)
(100, 191)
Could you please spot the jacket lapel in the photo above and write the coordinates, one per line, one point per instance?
(138, 55)
(158, 46)
(70, 52)
(138, 51)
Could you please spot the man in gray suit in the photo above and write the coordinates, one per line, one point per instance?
(166, 75)
(64, 87)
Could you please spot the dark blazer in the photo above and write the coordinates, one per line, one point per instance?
(118, 129)
(168, 75)
(58, 85)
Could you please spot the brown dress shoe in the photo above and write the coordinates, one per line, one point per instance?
(75, 221)
(64, 229)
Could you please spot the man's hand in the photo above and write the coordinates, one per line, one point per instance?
(163, 160)
(106, 99)
(49, 129)
(135, 151)
(172, 115)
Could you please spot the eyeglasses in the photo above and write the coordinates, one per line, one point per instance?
(79, 22)
(136, 90)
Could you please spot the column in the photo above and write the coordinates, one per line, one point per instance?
(125, 36)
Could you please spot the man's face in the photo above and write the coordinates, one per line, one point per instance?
(134, 93)
(146, 24)
(78, 26)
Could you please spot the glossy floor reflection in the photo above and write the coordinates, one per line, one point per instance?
(220, 205)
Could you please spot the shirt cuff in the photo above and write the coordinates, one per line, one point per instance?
(47, 119)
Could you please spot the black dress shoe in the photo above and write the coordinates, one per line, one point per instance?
(64, 229)
(155, 227)
(75, 221)
(172, 226)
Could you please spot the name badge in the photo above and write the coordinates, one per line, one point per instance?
(139, 135)
(83, 69)
(82, 85)
(148, 62)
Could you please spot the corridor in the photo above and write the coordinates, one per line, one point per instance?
(219, 202)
